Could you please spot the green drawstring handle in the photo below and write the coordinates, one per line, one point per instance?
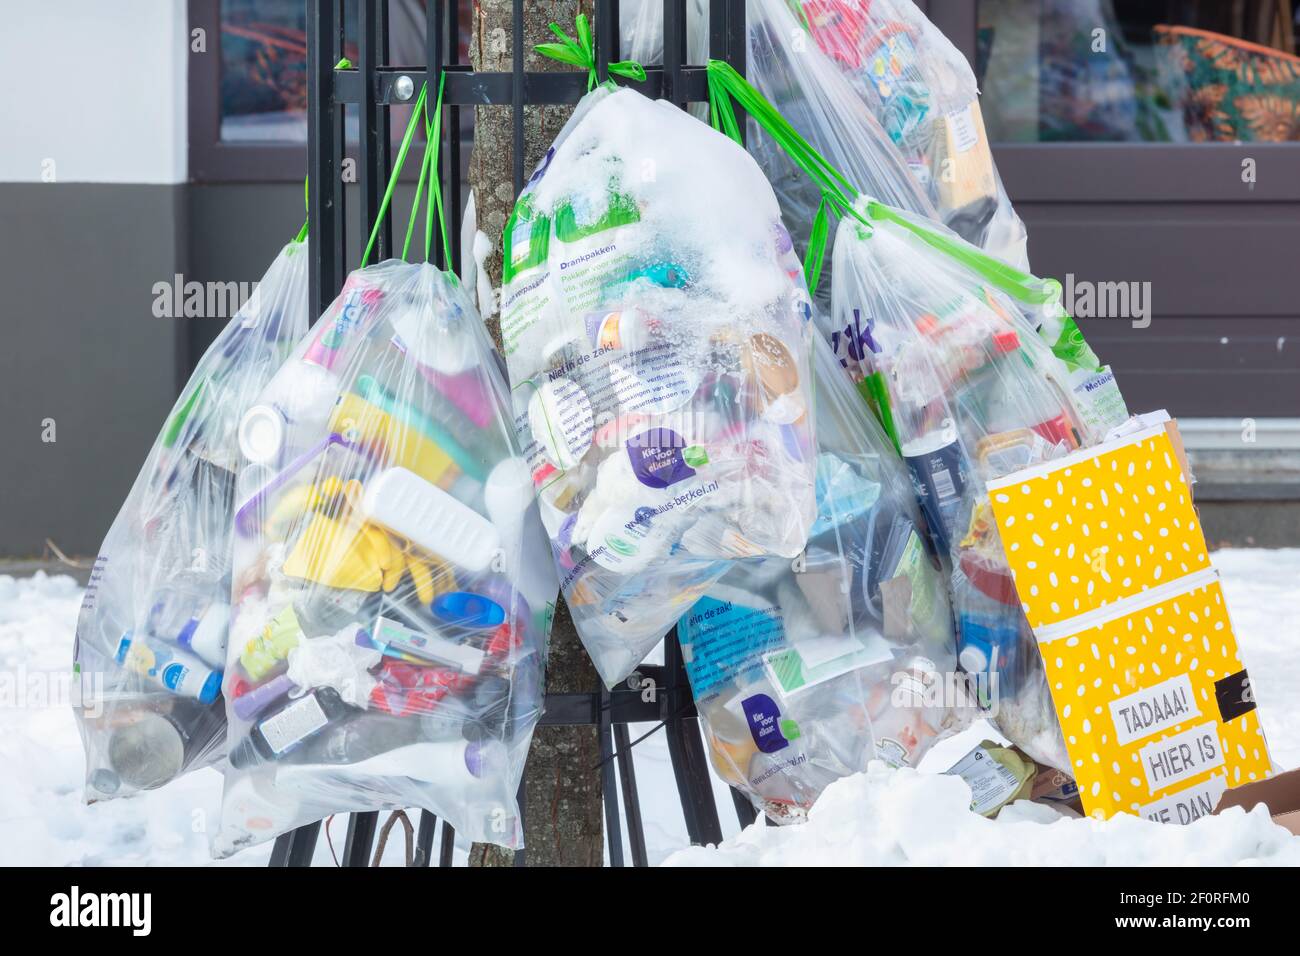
(1008, 278)
(397, 169)
(306, 201)
(428, 171)
(840, 196)
(837, 193)
(582, 52)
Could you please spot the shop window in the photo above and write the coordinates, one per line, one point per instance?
(1140, 71)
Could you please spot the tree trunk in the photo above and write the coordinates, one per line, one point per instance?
(563, 825)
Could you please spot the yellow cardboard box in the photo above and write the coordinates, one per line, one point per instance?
(1114, 575)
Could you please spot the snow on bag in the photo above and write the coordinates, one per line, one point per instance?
(392, 589)
(975, 371)
(805, 671)
(657, 333)
(151, 636)
(923, 93)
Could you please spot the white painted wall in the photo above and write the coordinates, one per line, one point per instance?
(96, 86)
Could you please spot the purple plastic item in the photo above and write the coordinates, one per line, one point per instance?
(246, 517)
(247, 706)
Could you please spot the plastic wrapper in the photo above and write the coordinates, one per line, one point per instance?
(976, 372)
(823, 105)
(392, 588)
(923, 93)
(657, 332)
(804, 671)
(151, 636)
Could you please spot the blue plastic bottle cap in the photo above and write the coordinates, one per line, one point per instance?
(468, 609)
(211, 688)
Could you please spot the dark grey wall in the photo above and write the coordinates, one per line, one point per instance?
(81, 346)
(1224, 339)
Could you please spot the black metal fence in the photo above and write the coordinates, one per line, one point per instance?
(657, 694)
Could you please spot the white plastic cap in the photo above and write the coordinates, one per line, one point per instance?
(973, 660)
(261, 434)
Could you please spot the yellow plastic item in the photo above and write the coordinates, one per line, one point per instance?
(430, 577)
(403, 445)
(260, 655)
(286, 511)
(342, 553)
(360, 556)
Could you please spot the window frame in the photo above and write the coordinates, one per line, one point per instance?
(210, 159)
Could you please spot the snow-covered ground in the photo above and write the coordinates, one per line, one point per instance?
(881, 817)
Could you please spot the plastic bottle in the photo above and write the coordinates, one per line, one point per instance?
(937, 463)
(291, 413)
(355, 740)
(264, 652)
(191, 611)
(168, 665)
(252, 702)
(1013, 396)
(145, 753)
(407, 505)
(283, 730)
(206, 635)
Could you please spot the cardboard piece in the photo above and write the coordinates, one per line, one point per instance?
(1114, 575)
(1281, 794)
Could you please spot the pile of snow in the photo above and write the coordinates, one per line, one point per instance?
(879, 817)
(902, 817)
(887, 817)
(43, 819)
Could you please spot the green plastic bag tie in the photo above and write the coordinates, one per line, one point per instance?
(398, 163)
(428, 172)
(580, 51)
(841, 197)
(837, 193)
(1006, 277)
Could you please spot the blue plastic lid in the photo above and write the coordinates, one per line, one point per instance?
(468, 609)
(123, 645)
(211, 688)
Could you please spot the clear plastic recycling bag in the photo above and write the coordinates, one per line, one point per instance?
(803, 671)
(392, 586)
(923, 93)
(657, 332)
(810, 91)
(151, 636)
(975, 371)
(821, 103)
